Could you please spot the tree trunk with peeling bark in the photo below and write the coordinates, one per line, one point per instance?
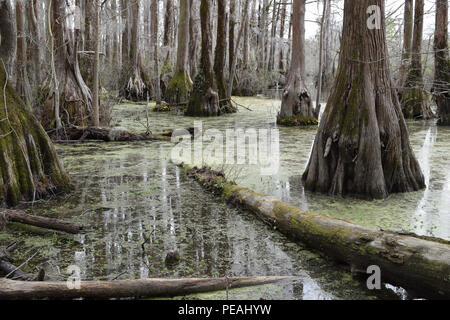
(29, 166)
(442, 63)
(362, 146)
(414, 99)
(296, 106)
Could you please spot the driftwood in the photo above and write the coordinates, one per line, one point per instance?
(420, 265)
(86, 134)
(42, 222)
(143, 288)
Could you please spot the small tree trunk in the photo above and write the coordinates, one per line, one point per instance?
(408, 23)
(204, 100)
(235, 50)
(282, 30)
(135, 83)
(22, 83)
(320, 75)
(219, 60)
(296, 106)
(180, 86)
(414, 98)
(35, 48)
(362, 146)
(155, 29)
(442, 63)
(95, 84)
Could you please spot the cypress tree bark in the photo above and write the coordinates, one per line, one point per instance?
(180, 85)
(408, 21)
(68, 92)
(296, 106)
(414, 98)
(219, 59)
(204, 100)
(136, 83)
(29, 166)
(442, 63)
(362, 146)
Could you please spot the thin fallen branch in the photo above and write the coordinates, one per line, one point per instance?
(142, 288)
(8, 268)
(418, 264)
(42, 222)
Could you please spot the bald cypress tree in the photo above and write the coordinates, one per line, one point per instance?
(362, 145)
(29, 166)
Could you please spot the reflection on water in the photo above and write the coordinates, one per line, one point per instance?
(131, 194)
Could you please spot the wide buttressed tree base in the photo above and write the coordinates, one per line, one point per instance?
(29, 165)
(362, 145)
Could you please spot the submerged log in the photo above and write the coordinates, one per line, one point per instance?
(8, 268)
(420, 265)
(142, 288)
(42, 222)
(86, 134)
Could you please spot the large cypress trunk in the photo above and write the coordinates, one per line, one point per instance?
(414, 99)
(204, 100)
(296, 106)
(362, 146)
(442, 63)
(69, 99)
(29, 166)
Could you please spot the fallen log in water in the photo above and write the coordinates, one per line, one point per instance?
(85, 134)
(419, 264)
(42, 222)
(142, 288)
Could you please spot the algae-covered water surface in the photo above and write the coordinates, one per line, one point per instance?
(139, 206)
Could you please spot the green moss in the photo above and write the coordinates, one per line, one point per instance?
(298, 121)
(179, 87)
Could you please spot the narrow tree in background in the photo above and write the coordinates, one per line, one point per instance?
(180, 85)
(362, 145)
(414, 99)
(136, 84)
(22, 83)
(154, 26)
(296, 106)
(220, 52)
(95, 76)
(442, 63)
(408, 23)
(204, 100)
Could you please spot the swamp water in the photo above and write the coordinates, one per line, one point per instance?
(129, 192)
